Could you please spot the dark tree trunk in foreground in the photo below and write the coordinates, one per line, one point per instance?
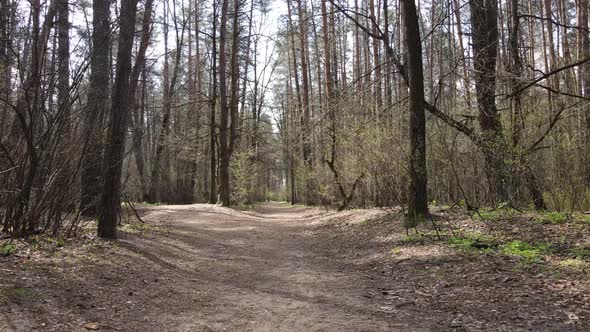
(98, 96)
(484, 18)
(61, 202)
(111, 196)
(417, 199)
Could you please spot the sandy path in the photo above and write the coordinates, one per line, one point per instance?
(198, 268)
(253, 272)
(206, 268)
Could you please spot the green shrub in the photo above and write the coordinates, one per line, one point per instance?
(495, 214)
(580, 253)
(552, 217)
(473, 241)
(7, 249)
(527, 252)
(59, 242)
(245, 175)
(583, 218)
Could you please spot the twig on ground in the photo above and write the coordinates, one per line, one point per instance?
(133, 209)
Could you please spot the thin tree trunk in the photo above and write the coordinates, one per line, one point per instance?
(138, 119)
(224, 155)
(584, 53)
(160, 172)
(212, 124)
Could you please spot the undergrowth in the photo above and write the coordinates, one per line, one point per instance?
(495, 214)
(7, 248)
(552, 217)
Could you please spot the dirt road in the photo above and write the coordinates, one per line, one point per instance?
(207, 269)
(259, 271)
(279, 268)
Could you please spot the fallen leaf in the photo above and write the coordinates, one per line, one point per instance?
(91, 326)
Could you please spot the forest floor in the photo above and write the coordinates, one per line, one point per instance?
(281, 268)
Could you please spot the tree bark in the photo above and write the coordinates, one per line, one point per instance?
(139, 68)
(213, 106)
(518, 118)
(111, 196)
(484, 18)
(584, 53)
(417, 195)
(305, 87)
(224, 155)
(98, 96)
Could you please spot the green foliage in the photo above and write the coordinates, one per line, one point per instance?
(473, 242)
(495, 214)
(574, 263)
(568, 196)
(529, 253)
(552, 217)
(245, 176)
(463, 243)
(413, 239)
(58, 242)
(580, 253)
(582, 218)
(7, 249)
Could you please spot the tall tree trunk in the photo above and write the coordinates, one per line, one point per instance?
(584, 53)
(466, 87)
(198, 90)
(5, 65)
(294, 53)
(518, 118)
(417, 195)
(224, 157)
(484, 18)
(305, 88)
(213, 106)
(98, 96)
(159, 171)
(139, 68)
(228, 135)
(138, 129)
(235, 79)
(376, 60)
(61, 202)
(305, 111)
(111, 196)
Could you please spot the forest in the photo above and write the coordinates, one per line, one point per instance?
(184, 102)
(462, 125)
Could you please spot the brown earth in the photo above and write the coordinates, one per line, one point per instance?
(278, 268)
